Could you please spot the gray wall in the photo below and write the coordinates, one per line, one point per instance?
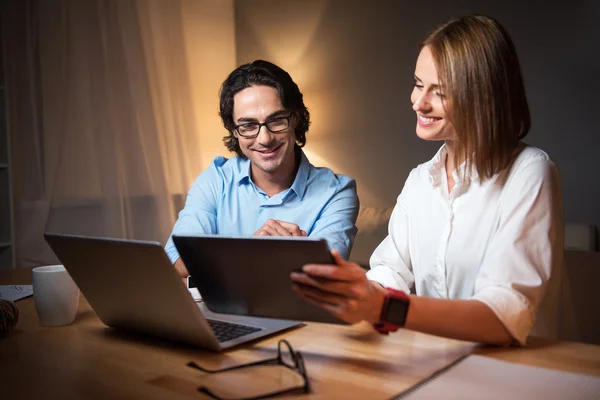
(354, 61)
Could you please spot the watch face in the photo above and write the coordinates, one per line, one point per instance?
(396, 311)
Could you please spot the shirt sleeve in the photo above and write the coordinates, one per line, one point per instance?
(526, 249)
(199, 215)
(390, 262)
(337, 220)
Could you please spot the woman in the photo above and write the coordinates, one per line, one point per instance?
(477, 231)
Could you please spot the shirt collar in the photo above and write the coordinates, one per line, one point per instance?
(438, 165)
(463, 170)
(244, 171)
(300, 182)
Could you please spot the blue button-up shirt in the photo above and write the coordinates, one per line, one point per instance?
(224, 200)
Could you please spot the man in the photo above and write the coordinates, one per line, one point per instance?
(269, 188)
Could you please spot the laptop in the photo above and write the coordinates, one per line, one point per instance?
(251, 275)
(132, 285)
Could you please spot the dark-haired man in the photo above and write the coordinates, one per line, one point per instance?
(269, 188)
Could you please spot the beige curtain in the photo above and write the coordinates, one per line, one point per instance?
(103, 129)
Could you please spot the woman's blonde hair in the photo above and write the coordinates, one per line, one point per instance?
(480, 75)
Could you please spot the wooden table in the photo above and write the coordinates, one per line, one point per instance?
(88, 360)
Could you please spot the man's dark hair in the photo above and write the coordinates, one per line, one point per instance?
(264, 73)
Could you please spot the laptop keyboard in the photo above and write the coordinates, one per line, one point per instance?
(225, 331)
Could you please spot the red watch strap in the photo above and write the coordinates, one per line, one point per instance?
(383, 326)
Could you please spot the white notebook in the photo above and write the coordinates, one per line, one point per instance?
(478, 377)
(15, 292)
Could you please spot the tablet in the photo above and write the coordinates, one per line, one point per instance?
(251, 275)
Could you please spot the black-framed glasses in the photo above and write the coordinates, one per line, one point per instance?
(286, 356)
(252, 129)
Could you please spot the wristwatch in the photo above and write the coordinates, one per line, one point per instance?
(394, 311)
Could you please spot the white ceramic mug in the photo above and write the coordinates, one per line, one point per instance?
(55, 294)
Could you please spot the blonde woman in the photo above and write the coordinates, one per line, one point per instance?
(477, 232)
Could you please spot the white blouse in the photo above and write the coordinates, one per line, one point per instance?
(498, 242)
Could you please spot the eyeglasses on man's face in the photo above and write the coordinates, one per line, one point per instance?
(252, 129)
(286, 357)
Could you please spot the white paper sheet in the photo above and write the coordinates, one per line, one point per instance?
(478, 377)
(15, 292)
